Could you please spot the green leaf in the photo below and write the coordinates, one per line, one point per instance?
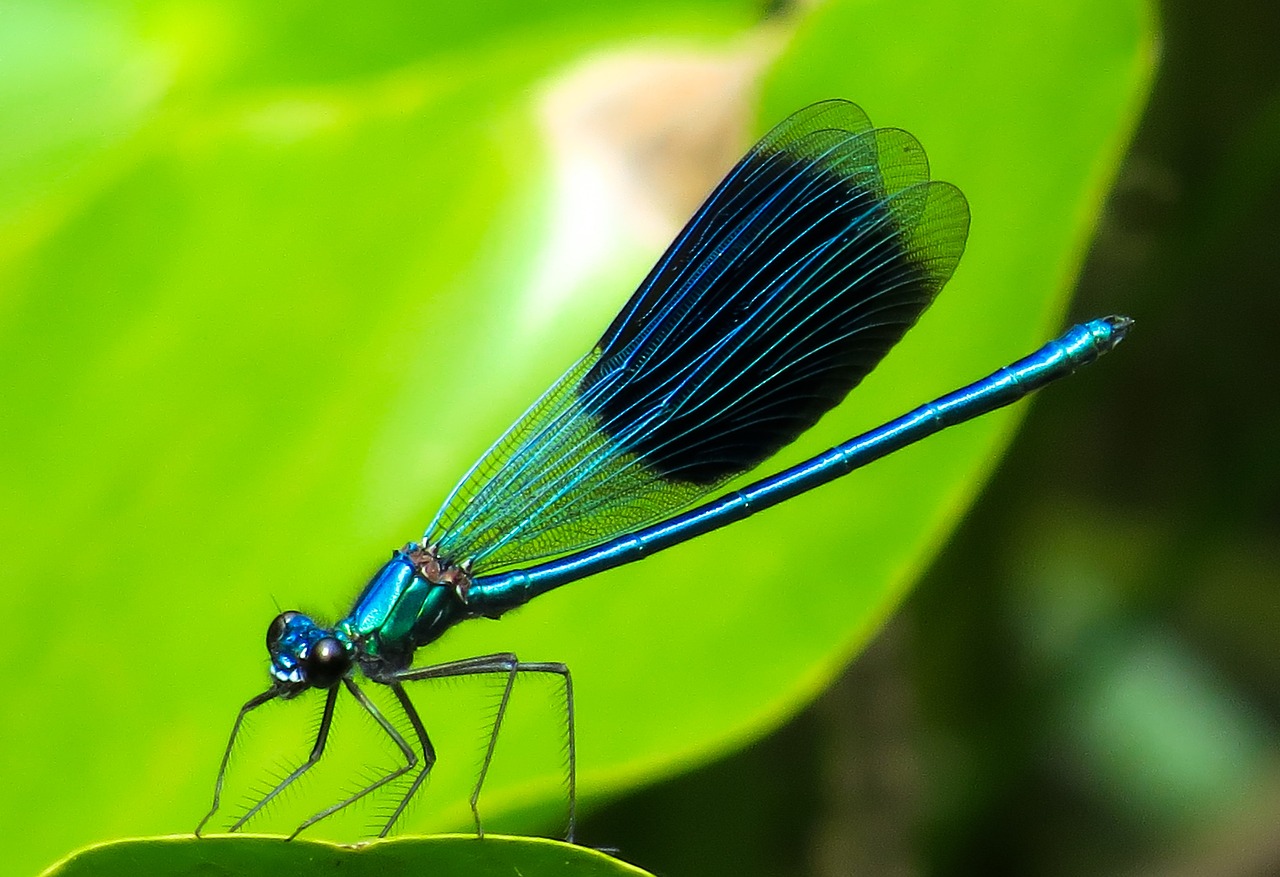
(248, 856)
(274, 276)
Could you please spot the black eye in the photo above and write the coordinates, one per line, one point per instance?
(277, 628)
(326, 663)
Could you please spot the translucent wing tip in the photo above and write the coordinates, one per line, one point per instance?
(932, 216)
(936, 231)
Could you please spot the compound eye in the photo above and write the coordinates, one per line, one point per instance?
(276, 629)
(326, 663)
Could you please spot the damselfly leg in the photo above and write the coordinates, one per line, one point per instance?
(266, 697)
(504, 663)
(411, 760)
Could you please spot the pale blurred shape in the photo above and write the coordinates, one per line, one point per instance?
(637, 140)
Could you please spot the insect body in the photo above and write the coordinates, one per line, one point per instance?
(812, 258)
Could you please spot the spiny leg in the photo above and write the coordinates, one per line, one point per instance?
(267, 696)
(508, 663)
(561, 670)
(411, 759)
(317, 750)
(428, 754)
(499, 663)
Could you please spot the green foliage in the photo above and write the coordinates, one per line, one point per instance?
(250, 856)
(267, 279)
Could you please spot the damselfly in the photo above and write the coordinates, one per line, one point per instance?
(812, 258)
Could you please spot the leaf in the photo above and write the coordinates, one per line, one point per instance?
(268, 291)
(247, 856)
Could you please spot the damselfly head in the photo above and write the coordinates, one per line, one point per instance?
(326, 662)
(306, 655)
(279, 626)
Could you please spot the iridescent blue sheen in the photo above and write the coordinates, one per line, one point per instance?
(812, 258)
(1082, 344)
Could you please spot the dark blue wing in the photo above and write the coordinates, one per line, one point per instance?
(813, 257)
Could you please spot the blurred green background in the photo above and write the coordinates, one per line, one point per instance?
(270, 278)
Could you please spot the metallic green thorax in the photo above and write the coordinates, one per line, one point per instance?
(401, 609)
